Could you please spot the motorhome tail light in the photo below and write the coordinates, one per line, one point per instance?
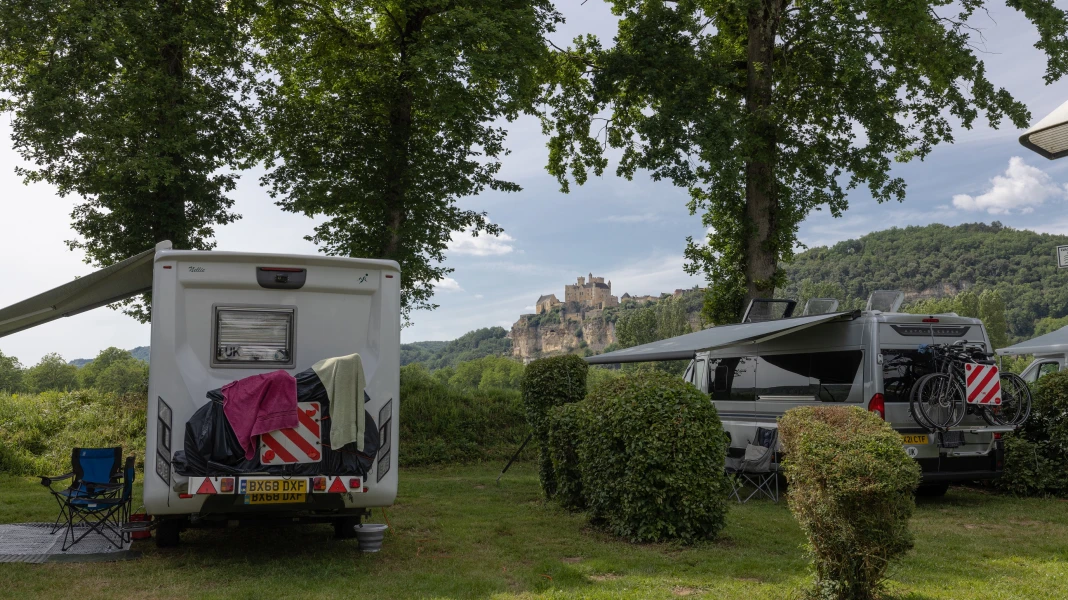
(185, 496)
(930, 320)
(318, 484)
(877, 404)
(997, 436)
(226, 485)
(163, 468)
(355, 484)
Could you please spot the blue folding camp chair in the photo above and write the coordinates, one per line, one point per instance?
(104, 515)
(96, 475)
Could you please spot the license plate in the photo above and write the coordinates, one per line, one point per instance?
(268, 486)
(274, 498)
(914, 439)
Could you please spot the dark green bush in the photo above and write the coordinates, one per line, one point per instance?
(851, 490)
(440, 424)
(1036, 456)
(547, 383)
(651, 456)
(566, 430)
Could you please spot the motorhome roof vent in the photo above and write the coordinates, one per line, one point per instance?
(888, 301)
(768, 309)
(820, 306)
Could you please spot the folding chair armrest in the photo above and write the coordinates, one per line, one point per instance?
(48, 480)
(97, 488)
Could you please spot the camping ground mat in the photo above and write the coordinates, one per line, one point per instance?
(32, 543)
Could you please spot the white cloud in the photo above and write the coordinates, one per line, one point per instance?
(645, 218)
(479, 296)
(1020, 189)
(483, 245)
(653, 275)
(448, 284)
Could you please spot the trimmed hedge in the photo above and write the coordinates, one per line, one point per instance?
(650, 452)
(548, 383)
(851, 490)
(566, 427)
(1036, 456)
(440, 424)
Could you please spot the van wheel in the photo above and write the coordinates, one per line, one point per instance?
(932, 490)
(345, 528)
(167, 533)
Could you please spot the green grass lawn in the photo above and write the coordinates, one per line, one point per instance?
(458, 535)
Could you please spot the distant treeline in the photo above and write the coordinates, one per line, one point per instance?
(113, 371)
(940, 261)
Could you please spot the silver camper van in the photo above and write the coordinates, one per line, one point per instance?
(219, 317)
(757, 370)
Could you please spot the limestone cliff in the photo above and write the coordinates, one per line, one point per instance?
(560, 332)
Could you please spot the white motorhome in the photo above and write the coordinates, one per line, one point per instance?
(1050, 352)
(757, 370)
(218, 317)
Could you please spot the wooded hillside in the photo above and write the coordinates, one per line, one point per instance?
(936, 261)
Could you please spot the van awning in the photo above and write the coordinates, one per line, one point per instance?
(1050, 343)
(684, 347)
(119, 281)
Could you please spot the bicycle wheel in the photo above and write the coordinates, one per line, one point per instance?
(938, 401)
(1015, 402)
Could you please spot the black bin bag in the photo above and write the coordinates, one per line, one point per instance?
(211, 446)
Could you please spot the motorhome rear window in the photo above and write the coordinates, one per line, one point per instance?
(901, 369)
(251, 336)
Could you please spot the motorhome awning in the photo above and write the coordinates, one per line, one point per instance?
(1051, 343)
(119, 281)
(685, 346)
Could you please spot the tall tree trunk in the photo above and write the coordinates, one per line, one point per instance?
(761, 199)
(168, 213)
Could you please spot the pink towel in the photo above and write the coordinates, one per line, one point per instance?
(259, 404)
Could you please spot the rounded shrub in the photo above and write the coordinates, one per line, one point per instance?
(1036, 456)
(851, 489)
(547, 383)
(651, 457)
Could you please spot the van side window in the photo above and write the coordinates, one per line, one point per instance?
(827, 376)
(901, 369)
(734, 379)
(1047, 368)
(833, 374)
(700, 374)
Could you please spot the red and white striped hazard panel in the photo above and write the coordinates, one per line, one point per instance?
(984, 384)
(301, 444)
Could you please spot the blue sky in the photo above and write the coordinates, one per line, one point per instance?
(632, 233)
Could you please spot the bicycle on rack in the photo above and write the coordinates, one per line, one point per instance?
(939, 400)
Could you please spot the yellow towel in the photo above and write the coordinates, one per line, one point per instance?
(342, 376)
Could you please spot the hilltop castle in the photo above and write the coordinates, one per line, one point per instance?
(594, 293)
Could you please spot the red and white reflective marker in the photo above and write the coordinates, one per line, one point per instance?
(984, 384)
(301, 444)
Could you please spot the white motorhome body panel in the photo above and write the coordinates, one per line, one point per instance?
(345, 306)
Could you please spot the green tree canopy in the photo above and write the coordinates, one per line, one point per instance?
(107, 357)
(381, 115)
(10, 374)
(51, 373)
(134, 106)
(768, 109)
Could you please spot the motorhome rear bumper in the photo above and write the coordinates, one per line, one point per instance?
(964, 468)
